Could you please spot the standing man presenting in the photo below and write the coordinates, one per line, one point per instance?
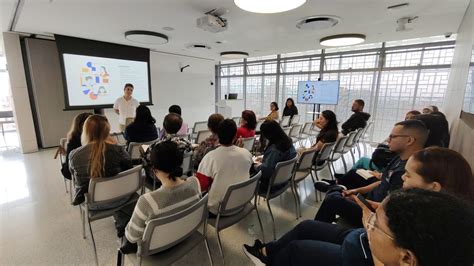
(126, 106)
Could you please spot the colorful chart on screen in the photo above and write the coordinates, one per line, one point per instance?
(318, 92)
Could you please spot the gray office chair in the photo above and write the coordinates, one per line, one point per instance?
(169, 238)
(248, 143)
(135, 149)
(198, 126)
(202, 136)
(321, 161)
(107, 190)
(285, 121)
(294, 133)
(235, 206)
(303, 169)
(62, 160)
(282, 179)
(337, 153)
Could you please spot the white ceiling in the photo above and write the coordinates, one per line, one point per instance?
(257, 34)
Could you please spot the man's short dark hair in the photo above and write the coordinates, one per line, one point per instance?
(360, 102)
(226, 131)
(419, 129)
(175, 109)
(172, 123)
(128, 85)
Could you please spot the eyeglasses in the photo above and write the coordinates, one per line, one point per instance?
(371, 226)
(392, 136)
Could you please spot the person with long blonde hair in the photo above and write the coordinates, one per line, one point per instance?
(99, 157)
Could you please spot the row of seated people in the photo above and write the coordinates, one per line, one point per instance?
(419, 213)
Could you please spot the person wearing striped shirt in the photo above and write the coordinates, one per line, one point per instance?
(173, 196)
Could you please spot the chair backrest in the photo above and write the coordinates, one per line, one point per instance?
(239, 194)
(359, 134)
(119, 137)
(283, 172)
(306, 159)
(165, 232)
(199, 126)
(340, 143)
(109, 189)
(325, 152)
(63, 144)
(295, 131)
(295, 120)
(285, 121)
(259, 124)
(202, 135)
(134, 148)
(366, 129)
(187, 162)
(236, 120)
(248, 143)
(307, 128)
(351, 138)
(287, 130)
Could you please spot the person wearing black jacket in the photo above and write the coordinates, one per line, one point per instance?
(358, 119)
(143, 128)
(290, 108)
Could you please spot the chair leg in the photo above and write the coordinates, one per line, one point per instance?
(273, 219)
(353, 157)
(293, 191)
(220, 247)
(260, 223)
(93, 244)
(334, 171)
(344, 162)
(70, 190)
(120, 258)
(65, 184)
(83, 220)
(208, 251)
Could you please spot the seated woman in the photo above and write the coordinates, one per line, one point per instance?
(290, 108)
(248, 123)
(273, 115)
(327, 123)
(279, 148)
(210, 142)
(99, 157)
(143, 128)
(173, 196)
(333, 244)
(73, 140)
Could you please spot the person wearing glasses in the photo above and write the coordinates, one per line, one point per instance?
(319, 243)
(406, 138)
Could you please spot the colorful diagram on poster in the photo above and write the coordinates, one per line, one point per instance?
(94, 80)
(309, 92)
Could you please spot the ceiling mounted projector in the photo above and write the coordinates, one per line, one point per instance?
(268, 6)
(342, 39)
(213, 21)
(402, 23)
(146, 37)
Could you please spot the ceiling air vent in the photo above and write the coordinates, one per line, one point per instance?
(318, 22)
(198, 46)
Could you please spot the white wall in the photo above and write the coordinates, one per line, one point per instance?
(19, 91)
(190, 89)
(462, 134)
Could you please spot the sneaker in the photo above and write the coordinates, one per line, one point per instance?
(322, 186)
(254, 253)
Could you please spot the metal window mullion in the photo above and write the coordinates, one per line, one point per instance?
(277, 89)
(417, 80)
(244, 84)
(377, 88)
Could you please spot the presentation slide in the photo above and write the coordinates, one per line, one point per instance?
(93, 81)
(318, 92)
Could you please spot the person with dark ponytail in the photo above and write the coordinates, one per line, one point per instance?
(174, 195)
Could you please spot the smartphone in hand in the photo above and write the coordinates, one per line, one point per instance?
(365, 202)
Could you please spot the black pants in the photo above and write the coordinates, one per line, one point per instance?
(352, 180)
(309, 243)
(336, 204)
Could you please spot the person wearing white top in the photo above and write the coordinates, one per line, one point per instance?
(126, 106)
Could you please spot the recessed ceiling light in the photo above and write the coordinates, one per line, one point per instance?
(398, 6)
(342, 40)
(268, 6)
(168, 28)
(146, 37)
(234, 55)
(198, 46)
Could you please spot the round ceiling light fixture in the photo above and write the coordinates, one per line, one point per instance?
(234, 55)
(146, 37)
(342, 39)
(268, 6)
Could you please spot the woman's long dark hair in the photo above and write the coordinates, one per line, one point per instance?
(330, 116)
(143, 115)
(293, 107)
(272, 131)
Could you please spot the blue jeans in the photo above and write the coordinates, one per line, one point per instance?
(336, 204)
(309, 243)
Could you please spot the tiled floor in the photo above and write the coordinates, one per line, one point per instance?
(38, 226)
